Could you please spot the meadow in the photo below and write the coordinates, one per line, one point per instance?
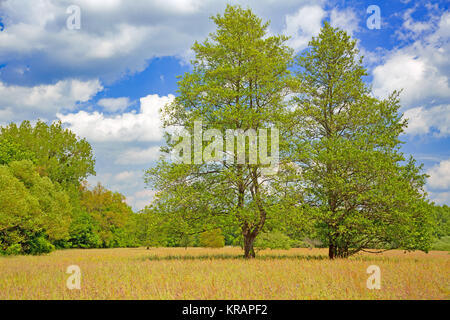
(200, 273)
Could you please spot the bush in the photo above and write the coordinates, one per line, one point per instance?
(39, 245)
(14, 249)
(212, 239)
(442, 244)
(273, 240)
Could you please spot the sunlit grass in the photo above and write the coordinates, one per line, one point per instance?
(199, 273)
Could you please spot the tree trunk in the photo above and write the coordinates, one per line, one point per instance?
(331, 251)
(249, 251)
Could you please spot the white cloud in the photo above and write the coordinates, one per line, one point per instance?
(142, 126)
(440, 176)
(141, 199)
(303, 25)
(422, 69)
(422, 121)
(139, 156)
(45, 100)
(114, 104)
(440, 198)
(306, 23)
(421, 80)
(344, 19)
(124, 175)
(115, 38)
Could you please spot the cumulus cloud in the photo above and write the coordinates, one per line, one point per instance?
(303, 25)
(440, 176)
(45, 100)
(419, 77)
(139, 156)
(344, 19)
(115, 38)
(440, 198)
(114, 104)
(422, 68)
(142, 126)
(141, 199)
(423, 121)
(124, 175)
(412, 29)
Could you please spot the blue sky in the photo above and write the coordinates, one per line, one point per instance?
(107, 79)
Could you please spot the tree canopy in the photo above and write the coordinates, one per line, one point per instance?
(362, 191)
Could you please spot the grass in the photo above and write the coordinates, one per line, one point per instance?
(199, 273)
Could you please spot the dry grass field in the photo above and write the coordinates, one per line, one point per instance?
(198, 273)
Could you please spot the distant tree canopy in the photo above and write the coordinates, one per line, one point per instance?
(56, 152)
(442, 221)
(32, 209)
(43, 201)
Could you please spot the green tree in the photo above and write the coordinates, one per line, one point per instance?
(18, 211)
(212, 239)
(361, 191)
(111, 216)
(149, 228)
(239, 81)
(442, 221)
(57, 152)
(11, 151)
(273, 240)
(33, 210)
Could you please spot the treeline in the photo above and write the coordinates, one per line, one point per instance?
(44, 201)
(45, 206)
(157, 229)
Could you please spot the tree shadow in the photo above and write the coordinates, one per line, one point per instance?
(233, 257)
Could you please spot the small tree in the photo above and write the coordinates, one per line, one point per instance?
(212, 239)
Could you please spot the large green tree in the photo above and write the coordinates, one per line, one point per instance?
(239, 81)
(361, 190)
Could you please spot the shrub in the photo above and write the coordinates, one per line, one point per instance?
(442, 244)
(212, 239)
(39, 245)
(14, 249)
(273, 240)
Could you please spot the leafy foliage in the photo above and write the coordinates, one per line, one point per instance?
(239, 81)
(273, 240)
(212, 239)
(56, 152)
(362, 191)
(33, 210)
(43, 202)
